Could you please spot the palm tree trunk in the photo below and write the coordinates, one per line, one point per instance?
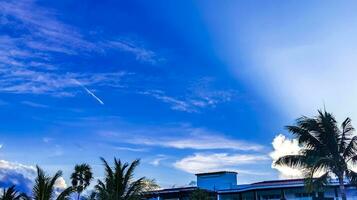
(342, 188)
(79, 194)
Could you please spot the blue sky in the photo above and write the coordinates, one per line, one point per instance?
(187, 86)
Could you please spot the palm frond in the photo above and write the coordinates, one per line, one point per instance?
(118, 183)
(305, 138)
(346, 133)
(316, 184)
(10, 194)
(294, 161)
(130, 172)
(65, 194)
(351, 149)
(135, 189)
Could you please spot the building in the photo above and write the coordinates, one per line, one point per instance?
(223, 186)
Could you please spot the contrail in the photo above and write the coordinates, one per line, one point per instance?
(89, 92)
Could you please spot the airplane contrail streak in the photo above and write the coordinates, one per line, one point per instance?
(89, 92)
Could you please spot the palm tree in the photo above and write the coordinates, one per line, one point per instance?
(150, 185)
(11, 194)
(81, 178)
(326, 149)
(119, 183)
(44, 187)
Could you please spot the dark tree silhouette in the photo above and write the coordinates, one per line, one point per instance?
(81, 178)
(119, 183)
(327, 149)
(44, 188)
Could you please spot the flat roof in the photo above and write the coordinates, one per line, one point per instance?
(279, 182)
(218, 172)
(172, 190)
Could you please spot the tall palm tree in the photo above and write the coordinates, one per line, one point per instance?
(81, 178)
(44, 187)
(119, 183)
(326, 149)
(11, 194)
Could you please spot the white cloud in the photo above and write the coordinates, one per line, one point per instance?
(284, 146)
(197, 139)
(204, 162)
(26, 60)
(199, 96)
(129, 149)
(176, 104)
(29, 171)
(23, 176)
(141, 53)
(16, 173)
(157, 161)
(33, 104)
(60, 183)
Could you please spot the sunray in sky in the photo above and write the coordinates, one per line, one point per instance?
(186, 86)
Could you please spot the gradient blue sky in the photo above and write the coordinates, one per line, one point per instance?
(187, 86)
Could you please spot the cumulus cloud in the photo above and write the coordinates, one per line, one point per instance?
(23, 177)
(16, 173)
(205, 162)
(284, 146)
(60, 183)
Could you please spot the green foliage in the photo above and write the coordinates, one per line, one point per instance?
(199, 194)
(119, 183)
(81, 178)
(11, 194)
(327, 149)
(150, 185)
(44, 188)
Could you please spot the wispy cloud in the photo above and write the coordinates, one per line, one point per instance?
(182, 138)
(193, 101)
(36, 82)
(141, 53)
(33, 104)
(206, 162)
(121, 148)
(158, 159)
(26, 59)
(47, 139)
(201, 142)
(175, 103)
